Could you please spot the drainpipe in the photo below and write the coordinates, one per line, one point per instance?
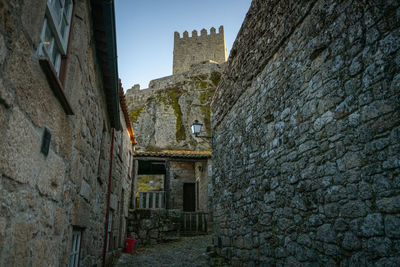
(108, 199)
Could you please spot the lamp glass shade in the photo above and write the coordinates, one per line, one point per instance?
(196, 127)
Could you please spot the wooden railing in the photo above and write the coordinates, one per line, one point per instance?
(194, 222)
(150, 200)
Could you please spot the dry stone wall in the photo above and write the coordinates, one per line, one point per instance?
(306, 167)
(150, 227)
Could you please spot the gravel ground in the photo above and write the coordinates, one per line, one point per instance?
(188, 251)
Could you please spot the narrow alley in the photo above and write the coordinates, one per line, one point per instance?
(272, 138)
(188, 251)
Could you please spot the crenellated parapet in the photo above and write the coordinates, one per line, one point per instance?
(196, 48)
(203, 33)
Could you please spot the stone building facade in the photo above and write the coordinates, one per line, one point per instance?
(121, 179)
(59, 113)
(160, 216)
(306, 122)
(195, 49)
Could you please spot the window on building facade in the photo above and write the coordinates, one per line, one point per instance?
(55, 31)
(75, 249)
(109, 230)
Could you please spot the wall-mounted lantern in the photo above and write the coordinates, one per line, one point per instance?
(196, 129)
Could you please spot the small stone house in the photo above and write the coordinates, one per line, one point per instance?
(180, 204)
(185, 178)
(65, 138)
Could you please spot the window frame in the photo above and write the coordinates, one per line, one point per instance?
(56, 71)
(52, 13)
(75, 252)
(60, 39)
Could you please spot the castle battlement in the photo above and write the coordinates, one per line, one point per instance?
(203, 33)
(189, 50)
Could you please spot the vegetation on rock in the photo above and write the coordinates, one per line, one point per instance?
(171, 97)
(134, 115)
(215, 78)
(205, 98)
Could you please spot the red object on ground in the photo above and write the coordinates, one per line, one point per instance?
(129, 245)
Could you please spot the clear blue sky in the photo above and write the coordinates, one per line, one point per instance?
(145, 32)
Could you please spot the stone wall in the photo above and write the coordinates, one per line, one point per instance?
(121, 185)
(202, 181)
(43, 198)
(154, 226)
(190, 172)
(181, 172)
(311, 173)
(195, 49)
(162, 115)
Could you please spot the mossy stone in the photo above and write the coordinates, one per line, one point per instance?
(134, 115)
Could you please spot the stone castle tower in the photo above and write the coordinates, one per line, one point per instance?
(195, 49)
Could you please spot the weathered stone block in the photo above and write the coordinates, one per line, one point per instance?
(341, 225)
(326, 233)
(379, 246)
(60, 222)
(366, 190)
(350, 241)
(3, 118)
(51, 176)
(316, 220)
(20, 157)
(392, 226)
(389, 205)
(80, 212)
(19, 249)
(45, 253)
(372, 225)
(352, 160)
(6, 97)
(392, 261)
(391, 163)
(3, 51)
(332, 210)
(269, 197)
(3, 224)
(354, 209)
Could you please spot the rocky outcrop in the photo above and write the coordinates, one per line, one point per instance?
(162, 114)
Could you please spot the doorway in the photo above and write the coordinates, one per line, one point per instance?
(189, 197)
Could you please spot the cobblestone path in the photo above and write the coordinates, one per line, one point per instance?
(188, 251)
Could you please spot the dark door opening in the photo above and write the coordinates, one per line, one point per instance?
(189, 197)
